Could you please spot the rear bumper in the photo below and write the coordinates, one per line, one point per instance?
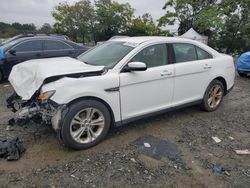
(230, 89)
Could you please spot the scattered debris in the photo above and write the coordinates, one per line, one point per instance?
(158, 148)
(242, 152)
(133, 160)
(11, 149)
(227, 173)
(218, 169)
(9, 128)
(6, 85)
(216, 139)
(147, 145)
(73, 176)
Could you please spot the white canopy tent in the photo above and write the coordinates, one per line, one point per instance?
(192, 34)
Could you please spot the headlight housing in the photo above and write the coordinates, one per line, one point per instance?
(43, 97)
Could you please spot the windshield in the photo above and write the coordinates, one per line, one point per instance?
(8, 45)
(8, 40)
(108, 54)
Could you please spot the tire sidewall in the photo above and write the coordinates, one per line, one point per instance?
(73, 110)
(205, 105)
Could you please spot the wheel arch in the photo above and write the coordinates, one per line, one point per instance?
(97, 99)
(223, 81)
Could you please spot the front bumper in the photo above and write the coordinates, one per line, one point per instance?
(48, 112)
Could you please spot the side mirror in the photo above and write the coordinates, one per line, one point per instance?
(12, 52)
(135, 66)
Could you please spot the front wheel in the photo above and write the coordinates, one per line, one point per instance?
(213, 96)
(85, 125)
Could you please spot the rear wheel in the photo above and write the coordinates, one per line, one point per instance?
(213, 96)
(85, 125)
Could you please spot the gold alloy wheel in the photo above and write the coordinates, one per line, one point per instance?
(215, 96)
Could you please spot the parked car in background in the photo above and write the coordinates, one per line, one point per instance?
(32, 35)
(36, 47)
(243, 64)
(114, 37)
(117, 82)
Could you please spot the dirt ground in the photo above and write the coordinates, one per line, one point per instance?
(116, 163)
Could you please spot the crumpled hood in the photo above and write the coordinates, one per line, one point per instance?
(27, 77)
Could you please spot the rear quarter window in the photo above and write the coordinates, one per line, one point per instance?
(202, 54)
(189, 52)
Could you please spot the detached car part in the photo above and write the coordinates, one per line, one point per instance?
(11, 149)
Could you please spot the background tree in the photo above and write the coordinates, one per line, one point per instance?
(65, 23)
(112, 18)
(145, 26)
(225, 22)
(46, 28)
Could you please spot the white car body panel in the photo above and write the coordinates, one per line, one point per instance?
(87, 87)
(32, 73)
(144, 92)
(148, 91)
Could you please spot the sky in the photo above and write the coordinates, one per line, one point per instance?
(39, 11)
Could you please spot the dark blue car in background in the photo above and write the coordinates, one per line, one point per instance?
(35, 47)
(243, 64)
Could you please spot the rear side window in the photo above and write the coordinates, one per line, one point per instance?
(189, 52)
(153, 56)
(29, 46)
(202, 54)
(55, 45)
(184, 52)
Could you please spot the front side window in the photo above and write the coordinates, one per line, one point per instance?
(107, 54)
(29, 46)
(184, 52)
(153, 56)
(55, 45)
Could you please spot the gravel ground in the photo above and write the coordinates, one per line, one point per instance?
(116, 163)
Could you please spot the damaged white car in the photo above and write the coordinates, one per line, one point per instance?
(118, 82)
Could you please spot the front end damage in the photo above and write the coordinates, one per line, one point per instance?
(37, 109)
(30, 102)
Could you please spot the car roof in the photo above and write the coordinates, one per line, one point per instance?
(139, 40)
(39, 37)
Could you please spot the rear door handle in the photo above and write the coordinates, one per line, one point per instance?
(207, 67)
(166, 73)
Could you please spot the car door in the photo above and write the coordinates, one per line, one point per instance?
(192, 67)
(23, 51)
(57, 48)
(151, 90)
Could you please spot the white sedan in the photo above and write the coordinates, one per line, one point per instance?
(120, 81)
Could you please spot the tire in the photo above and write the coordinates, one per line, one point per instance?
(212, 99)
(85, 125)
(242, 74)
